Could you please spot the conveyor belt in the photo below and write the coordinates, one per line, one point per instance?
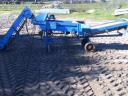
(110, 26)
(15, 27)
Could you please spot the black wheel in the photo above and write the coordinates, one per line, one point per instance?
(89, 47)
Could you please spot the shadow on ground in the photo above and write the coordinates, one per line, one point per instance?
(32, 66)
(116, 46)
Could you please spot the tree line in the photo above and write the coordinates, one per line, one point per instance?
(42, 1)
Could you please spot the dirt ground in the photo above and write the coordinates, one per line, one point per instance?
(27, 70)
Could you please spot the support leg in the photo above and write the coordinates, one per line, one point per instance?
(46, 41)
(84, 40)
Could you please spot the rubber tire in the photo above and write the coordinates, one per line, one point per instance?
(89, 47)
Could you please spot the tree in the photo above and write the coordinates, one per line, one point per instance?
(103, 0)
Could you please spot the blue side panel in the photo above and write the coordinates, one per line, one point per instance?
(25, 13)
(63, 26)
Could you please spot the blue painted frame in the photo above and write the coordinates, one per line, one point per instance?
(46, 24)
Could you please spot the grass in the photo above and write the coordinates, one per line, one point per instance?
(96, 16)
(102, 10)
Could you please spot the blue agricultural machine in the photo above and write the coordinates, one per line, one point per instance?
(49, 26)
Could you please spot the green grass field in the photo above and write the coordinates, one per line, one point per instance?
(102, 10)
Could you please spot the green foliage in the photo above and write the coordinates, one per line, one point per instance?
(103, 0)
